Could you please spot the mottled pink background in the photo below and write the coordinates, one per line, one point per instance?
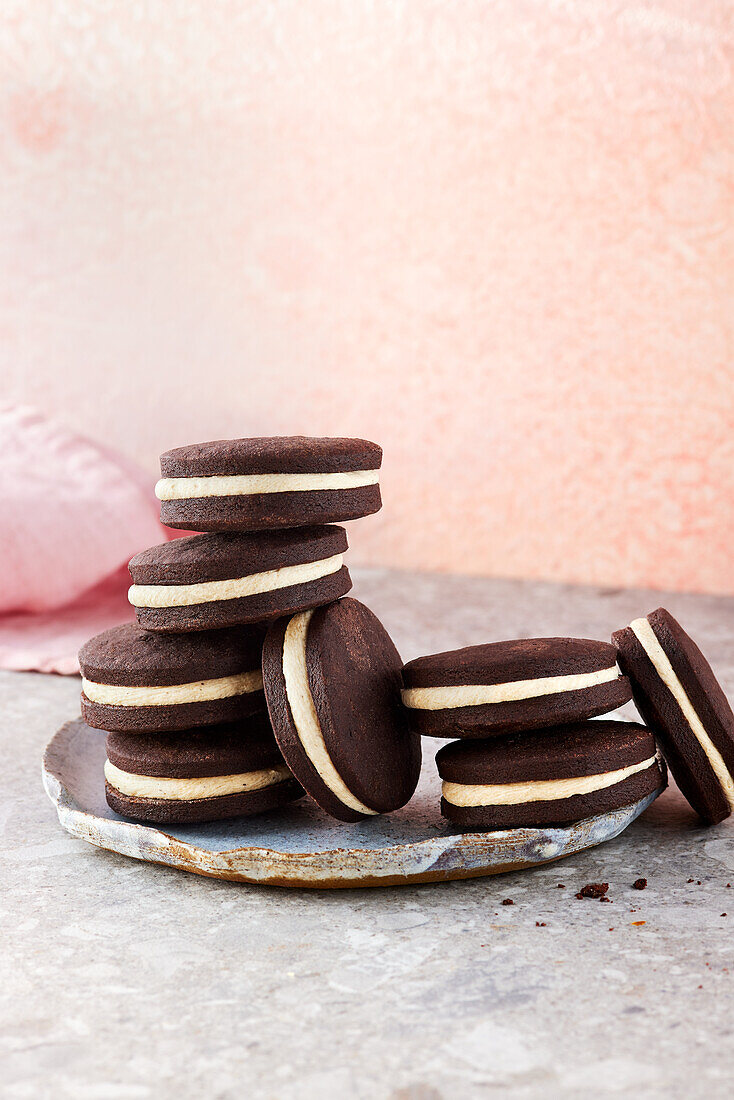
(495, 237)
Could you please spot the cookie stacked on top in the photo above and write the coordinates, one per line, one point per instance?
(195, 731)
(526, 752)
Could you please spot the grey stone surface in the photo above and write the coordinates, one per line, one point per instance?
(121, 980)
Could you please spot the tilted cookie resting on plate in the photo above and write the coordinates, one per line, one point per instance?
(332, 683)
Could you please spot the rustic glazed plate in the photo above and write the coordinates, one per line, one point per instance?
(301, 846)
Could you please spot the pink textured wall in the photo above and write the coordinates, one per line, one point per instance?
(496, 237)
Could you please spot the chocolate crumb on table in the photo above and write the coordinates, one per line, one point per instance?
(593, 890)
(508, 901)
(639, 884)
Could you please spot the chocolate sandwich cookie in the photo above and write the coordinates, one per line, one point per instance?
(332, 684)
(679, 697)
(133, 680)
(255, 484)
(216, 580)
(550, 777)
(198, 775)
(507, 686)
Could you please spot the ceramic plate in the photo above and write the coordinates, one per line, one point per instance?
(302, 846)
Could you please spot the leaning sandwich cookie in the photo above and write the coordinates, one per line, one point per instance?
(509, 686)
(198, 775)
(137, 681)
(271, 482)
(679, 697)
(548, 777)
(332, 684)
(215, 580)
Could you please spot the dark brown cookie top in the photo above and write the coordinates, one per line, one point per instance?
(507, 662)
(354, 676)
(228, 749)
(562, 752)
(295, 454)
(133, 657)
(218, 557)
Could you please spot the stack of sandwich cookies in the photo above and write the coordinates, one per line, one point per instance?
(200, 775)
(548, 777)
(266, 552)
(267, 483)
(510, 686)
(332, 684)
(137, 681)
(209, 581)
(681, 700)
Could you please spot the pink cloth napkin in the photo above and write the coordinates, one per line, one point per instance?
(72, 513)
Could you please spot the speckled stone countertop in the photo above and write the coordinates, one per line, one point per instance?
(122, 981)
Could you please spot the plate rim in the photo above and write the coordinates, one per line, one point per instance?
(148, 843)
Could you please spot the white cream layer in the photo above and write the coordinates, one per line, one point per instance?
(229, 485)
(542, 790)
(211, 786)
(477, 695)
(183, 595)
(647, 638)
(168, 695)
(303, 712)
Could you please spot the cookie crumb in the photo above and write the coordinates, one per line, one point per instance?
(593, 890)
(508, 901)
(540, 924)
(638, 922)
(723, 914)
(605, 898)
(561, 886)
(692, 880)
(639, 884)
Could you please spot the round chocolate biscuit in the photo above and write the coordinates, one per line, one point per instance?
(209, 581)
(549, 777)
(678, 695)
(198, 775)
(332, 684)
(503, 687)
(137, 681)
(269, 482)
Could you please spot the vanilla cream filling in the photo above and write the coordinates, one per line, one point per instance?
(541, 790)
(211, 786)
(477, 695)
(168, 695)
(303, 711)
(228, 485)
(183, 595)
(661, 663)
